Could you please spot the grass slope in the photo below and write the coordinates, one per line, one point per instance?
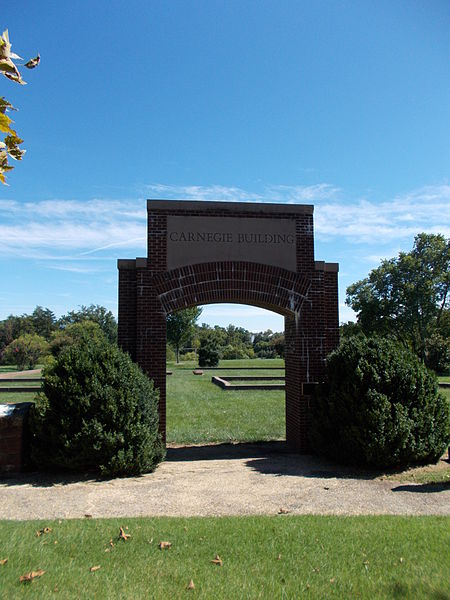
(263, 557)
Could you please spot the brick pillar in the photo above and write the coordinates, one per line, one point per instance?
(14, 452)
(297, 405)
(127, 306)
(151, 337)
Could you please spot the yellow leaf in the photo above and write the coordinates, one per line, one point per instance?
(96, 568)
(191, 585)
(3, 561)
(217, 561)
(4, 124)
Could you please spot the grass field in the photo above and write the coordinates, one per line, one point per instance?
(200, 412)
(263, 557)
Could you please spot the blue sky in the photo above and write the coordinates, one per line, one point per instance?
(340, 104)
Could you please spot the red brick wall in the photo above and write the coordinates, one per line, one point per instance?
(13, 439)
(307, 298)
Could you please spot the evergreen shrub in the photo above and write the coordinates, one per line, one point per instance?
(96, 411)
(208, 354)
(379, 406)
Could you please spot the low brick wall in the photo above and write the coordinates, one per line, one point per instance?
(13, 437)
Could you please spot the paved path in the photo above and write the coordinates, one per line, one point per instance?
(21, 374)
(244, 479)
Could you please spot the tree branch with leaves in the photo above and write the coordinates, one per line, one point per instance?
(10, 145)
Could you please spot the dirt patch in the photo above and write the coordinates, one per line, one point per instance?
(225, 479)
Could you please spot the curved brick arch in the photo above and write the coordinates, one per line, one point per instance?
(272, 288)
(257, 254)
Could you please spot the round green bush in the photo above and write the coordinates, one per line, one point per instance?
(97, 411)
(379, 406)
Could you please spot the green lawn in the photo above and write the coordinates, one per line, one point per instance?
(281, 557)
(200, 412)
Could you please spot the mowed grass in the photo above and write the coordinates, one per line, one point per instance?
(282, 557)
(200, 412)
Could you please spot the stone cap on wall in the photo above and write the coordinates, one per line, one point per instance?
(131, 264)
(321, 265)
(232, 207)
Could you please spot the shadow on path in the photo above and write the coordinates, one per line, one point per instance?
(424, 488)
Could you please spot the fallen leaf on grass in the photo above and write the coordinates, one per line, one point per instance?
(122, 535)
(191, 585)
(31, 575)
(283, 511)
(43, 530)
(217, 561)
(332, 580)
(96, 568)
(3, 561)
(165, 545)
(111, 543)
(279, 557)
(401, 559)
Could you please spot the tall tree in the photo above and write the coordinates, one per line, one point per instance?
(97, 314)
(407, 296)
(44, 321)
(180, 326)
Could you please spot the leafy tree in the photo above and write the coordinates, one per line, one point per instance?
(408, 296)
(76, 333)
(97, 410)
(25, 351)
(96, 313)
(13, 327)
(379, 406)
(180, 326)
(10, 146)
(43, 321)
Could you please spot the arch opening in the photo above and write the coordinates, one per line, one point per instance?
(200, 412)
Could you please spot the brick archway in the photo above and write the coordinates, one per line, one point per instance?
(257, 254)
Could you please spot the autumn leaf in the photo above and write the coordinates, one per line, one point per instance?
(217, 561)
(191, 585)
(33, 62)
(43, 530)
(3, 561)
(165, 545)
(93, 569)
(122, 535)
(31, 575)
(283, 511)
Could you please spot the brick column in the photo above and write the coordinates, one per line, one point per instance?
(296, 363)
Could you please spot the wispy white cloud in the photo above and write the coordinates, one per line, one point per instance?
(202, 192)
(67, 229)
(426, 209)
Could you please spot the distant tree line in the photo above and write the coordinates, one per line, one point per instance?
(27, 338)
(228, 342)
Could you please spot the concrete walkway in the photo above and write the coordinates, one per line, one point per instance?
(242, 479)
